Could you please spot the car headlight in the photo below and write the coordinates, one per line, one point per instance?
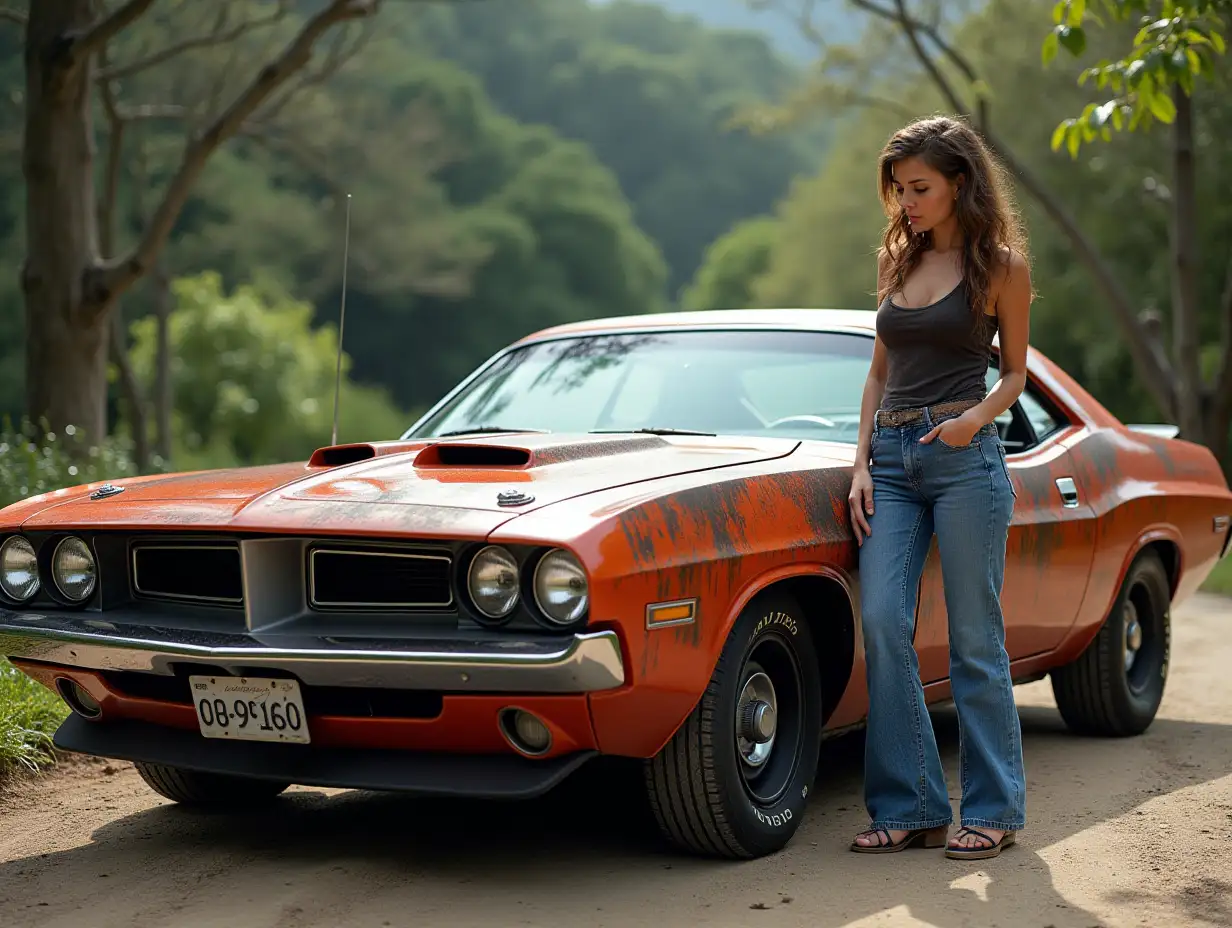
(73, 569)
(561, 590)
(19, 575)
(493, 582)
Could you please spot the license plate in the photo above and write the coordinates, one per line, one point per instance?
(250, 709)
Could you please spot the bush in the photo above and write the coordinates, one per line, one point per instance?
(252, 380)
(29, 715)
(35, 460)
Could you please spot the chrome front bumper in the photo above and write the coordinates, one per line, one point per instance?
(582, 664)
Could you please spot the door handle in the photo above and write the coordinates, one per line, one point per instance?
(1069, 492)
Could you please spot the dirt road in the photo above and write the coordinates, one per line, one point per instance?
(1132, 832)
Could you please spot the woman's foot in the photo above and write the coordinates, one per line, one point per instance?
(880, 837)
(889, 840)
(978, 843)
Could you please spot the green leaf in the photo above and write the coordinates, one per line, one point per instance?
(1058, 11)
(1075, 141)
(1162, 107)
(1074, 38)
(1049, 51)
(1059, 133)
(1218, 42)
(1077, 10)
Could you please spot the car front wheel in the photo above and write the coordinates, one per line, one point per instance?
(734, 780)
(1115, 686)
(195, 788)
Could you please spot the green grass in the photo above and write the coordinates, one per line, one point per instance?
(1220, 579)
(29, 714)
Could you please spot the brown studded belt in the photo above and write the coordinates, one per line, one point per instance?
(896, 418)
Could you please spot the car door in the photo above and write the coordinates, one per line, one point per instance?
(1048, 552)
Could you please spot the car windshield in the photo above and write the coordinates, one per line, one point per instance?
(764, 382)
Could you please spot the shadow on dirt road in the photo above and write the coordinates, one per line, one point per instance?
(587, 853)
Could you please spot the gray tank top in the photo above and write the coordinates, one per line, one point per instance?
(937, 353)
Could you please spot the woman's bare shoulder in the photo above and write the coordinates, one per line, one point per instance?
(1010, 259)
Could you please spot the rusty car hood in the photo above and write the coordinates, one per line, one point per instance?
(465, 486)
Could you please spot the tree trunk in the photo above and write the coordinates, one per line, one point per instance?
(130, 387)
(1186, 344)
(66, 345)
(163, 397)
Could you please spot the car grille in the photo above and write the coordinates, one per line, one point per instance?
(340, 578)
(204, 573)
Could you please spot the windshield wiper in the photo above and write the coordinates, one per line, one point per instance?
(483, 430)
(651, 431)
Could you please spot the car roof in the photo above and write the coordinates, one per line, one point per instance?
(802, 319)
(1063, 389)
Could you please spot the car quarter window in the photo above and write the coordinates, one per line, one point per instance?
(1028, 422)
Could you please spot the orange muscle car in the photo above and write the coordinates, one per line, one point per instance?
(624, 537)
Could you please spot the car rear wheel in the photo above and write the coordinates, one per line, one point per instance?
(1115, 686)
(734, 780)
(193, 787)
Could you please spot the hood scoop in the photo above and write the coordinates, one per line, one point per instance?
(338, 455)
(462, 455)
(534, 453)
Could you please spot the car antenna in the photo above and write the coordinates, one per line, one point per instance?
(346, 248)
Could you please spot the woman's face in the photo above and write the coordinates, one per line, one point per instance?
(924, 193)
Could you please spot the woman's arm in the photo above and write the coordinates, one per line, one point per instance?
(860, 499)
(1013, 308)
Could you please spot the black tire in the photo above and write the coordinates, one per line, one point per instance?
(1103, 691)
(195, 788)
(705, 797)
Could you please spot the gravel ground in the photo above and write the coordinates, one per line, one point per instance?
(1129, 832)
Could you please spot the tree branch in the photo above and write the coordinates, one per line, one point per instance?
(111, 171)
(1147, 352)
(110, 280)
(926, 60)
(108, 28)
(117, 346)
(219, 36)
(150, 111)
(911, 26)
(299, 154)
(338, 55)
(16, 17)
(1221, 390)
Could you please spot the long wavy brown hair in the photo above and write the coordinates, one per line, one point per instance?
(985, 206)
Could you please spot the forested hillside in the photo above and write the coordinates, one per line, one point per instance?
(517, 163)
(652, 95)
(511, 165)
(739, 14)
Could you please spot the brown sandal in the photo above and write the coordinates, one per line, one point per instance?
(979, 851)
(919, 837)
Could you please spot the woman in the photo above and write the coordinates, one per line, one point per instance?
(952, 270)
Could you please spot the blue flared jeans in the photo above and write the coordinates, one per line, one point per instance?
(965, 496)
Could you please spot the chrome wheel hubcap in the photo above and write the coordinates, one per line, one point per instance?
(756, 719)
(1133, 635)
